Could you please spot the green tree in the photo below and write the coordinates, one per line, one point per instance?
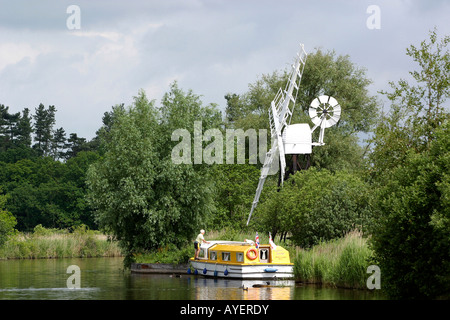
(36, 193)
(410, 164)
(417, 109)
(43, 129)
(25, 129)
(48, 192)
(317, 205)
(102, 137)
(140, 196)
(180, 110)
(411, 238)
(235, 186)
(74, 180)
(8, 127)
(41, 188)
(75, 144)
(15, 135)
(7, 221)
(58, 144)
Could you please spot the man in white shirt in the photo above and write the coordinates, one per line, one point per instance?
(198, 241)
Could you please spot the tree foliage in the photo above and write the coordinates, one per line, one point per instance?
(411, 238)
(410, 165)
(235, 186)
(139, 194)
(44, 181)
(317, 205)
(7, 221)
(417, 109)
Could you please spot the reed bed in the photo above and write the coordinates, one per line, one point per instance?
(59, 244)
(340, 263)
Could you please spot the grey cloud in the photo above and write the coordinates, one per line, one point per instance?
(211, 46)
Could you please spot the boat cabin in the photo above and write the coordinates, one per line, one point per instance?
(232, 252)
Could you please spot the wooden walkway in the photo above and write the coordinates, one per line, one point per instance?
(159, 268)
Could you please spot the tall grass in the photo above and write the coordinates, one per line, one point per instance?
(50, 243)
(341, 263)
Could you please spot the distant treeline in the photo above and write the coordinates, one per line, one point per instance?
(42, 170)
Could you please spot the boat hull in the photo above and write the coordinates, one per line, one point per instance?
(243, 271)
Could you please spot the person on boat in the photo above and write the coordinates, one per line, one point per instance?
(198, 241)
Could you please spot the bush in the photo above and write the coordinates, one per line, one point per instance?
(39, 230)
(7, 221)
(411, 239)
(317, 205)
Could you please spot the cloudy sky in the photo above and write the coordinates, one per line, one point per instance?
(213, 47)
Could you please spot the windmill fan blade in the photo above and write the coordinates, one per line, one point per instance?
(337, 110)
(274, 164)
(315, 118)
(323, 99)
(315, 104)
(312, 113)
(332, 102)
(334, 118)
(330, 122)
(282, 157)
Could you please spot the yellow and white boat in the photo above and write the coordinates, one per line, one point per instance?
(242, 260)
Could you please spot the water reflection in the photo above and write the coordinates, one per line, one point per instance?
(225, 289)
(104, 279)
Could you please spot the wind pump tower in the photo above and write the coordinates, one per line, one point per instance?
(295, 139)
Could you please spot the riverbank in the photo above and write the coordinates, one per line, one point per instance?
(52, 243)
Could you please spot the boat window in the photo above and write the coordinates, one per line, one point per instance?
(213, 255)
(239, 256)
(225, 256)
(263, 254)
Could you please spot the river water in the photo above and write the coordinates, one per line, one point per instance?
(105, 279)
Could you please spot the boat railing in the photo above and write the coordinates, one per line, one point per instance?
(206, 246)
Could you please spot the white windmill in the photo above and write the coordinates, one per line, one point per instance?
(296, 138)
